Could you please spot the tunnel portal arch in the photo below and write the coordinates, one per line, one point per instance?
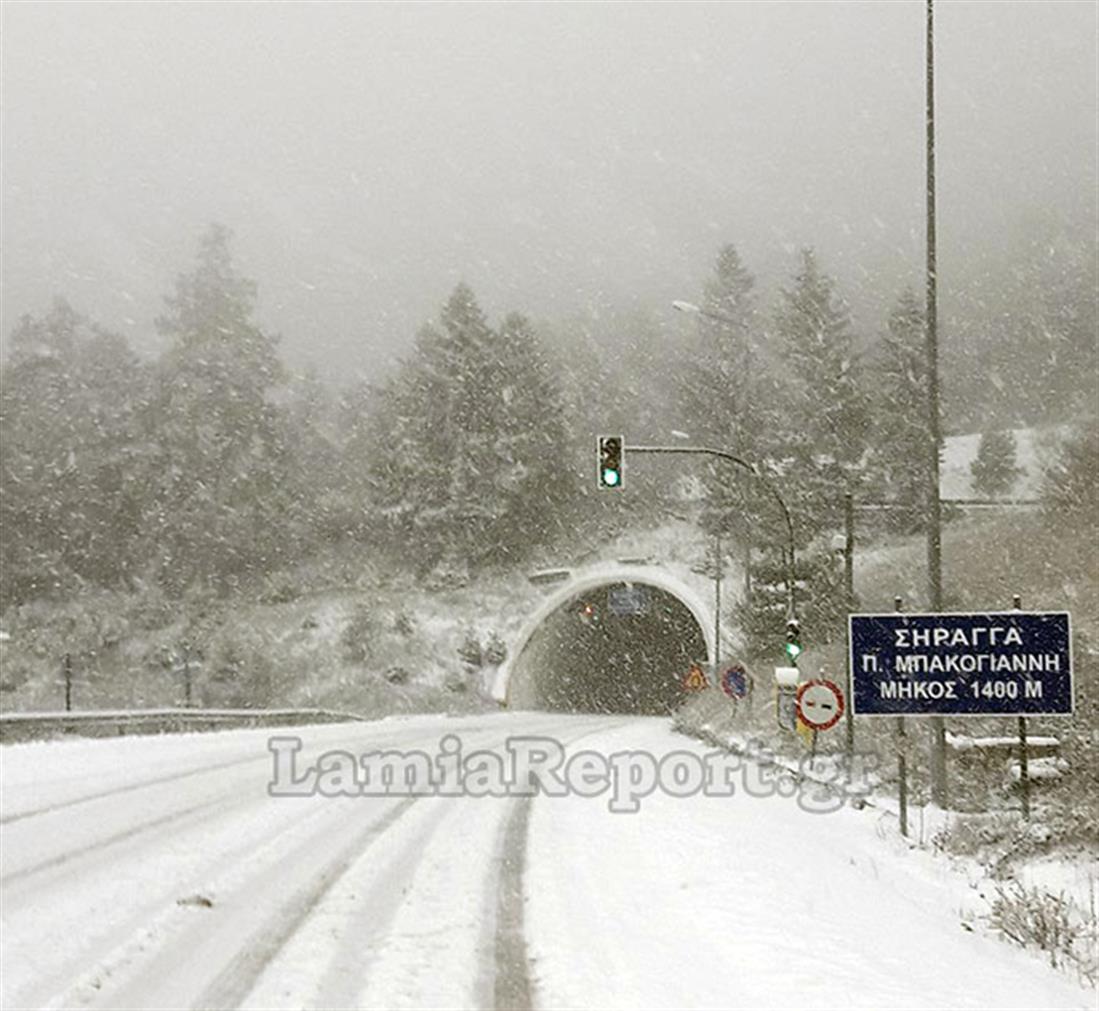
(595, 579)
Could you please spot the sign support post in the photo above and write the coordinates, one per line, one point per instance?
(902, 757)
(849, 588)
(717, 603)
(1024, 776)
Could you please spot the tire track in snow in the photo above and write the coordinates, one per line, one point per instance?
(117, 791)
(512, 990)
(380, 904)
(130, 833)
(128, 941)
(229, 988)
(110, 948)
(93, 848)
(206, 958)
(261, 757)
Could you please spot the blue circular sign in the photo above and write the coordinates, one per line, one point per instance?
(734, 681)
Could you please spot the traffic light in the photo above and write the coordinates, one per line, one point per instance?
(793, 640)
(610, 461)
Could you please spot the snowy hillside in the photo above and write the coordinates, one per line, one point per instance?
(1034, 448)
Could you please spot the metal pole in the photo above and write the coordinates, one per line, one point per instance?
(187, 674)
(849, 591)
(1024, 769)
(717, 604)
(902, 759)
(934, 425)
(791, 567)
(67, 667)
(747, 561)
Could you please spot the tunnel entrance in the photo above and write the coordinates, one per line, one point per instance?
(618, 647)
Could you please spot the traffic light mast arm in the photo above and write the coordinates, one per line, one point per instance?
(762, 479)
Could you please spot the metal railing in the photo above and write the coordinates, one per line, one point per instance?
(97, 723)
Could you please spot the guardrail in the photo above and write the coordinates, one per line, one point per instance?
(99, 723)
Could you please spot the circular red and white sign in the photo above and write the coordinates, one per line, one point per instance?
(820, 704)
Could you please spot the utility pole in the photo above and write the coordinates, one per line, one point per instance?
(934, 425)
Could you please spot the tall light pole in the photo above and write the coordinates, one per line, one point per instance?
(934, 423)
(768, 486)
(697, 310)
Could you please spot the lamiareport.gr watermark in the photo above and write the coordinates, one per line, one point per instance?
(528, 766)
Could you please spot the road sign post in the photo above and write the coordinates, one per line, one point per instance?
(849, 593)
(902, 747)
(1024, 769)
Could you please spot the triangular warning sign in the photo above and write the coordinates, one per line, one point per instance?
(695, 679)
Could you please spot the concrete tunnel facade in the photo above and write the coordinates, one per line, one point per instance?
(574, 654)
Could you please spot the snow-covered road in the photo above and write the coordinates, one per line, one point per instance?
(159, 872)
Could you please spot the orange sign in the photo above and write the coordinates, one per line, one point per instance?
(695, 679)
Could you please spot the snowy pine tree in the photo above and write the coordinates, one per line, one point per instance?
(220, 488)
(899, 452)
(820, 431)
(467, 444)
(1071, 489)
(994, 469)
(70, 456)
(720, 393)
(826, 403)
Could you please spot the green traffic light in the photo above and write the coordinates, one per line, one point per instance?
(610, 477)
(793, 650)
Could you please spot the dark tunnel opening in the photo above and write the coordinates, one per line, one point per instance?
(616, 648)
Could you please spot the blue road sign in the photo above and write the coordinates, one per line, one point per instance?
(734, 681)
(1000, 663)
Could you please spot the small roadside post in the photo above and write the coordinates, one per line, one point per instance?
(190, 658)
(67, 670)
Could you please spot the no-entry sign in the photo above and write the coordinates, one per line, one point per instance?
(997, 663)
(820, 704)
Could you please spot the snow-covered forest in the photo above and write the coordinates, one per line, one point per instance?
(215, 465)
(214, 468)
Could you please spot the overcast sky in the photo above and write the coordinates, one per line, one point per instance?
(561, 158)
